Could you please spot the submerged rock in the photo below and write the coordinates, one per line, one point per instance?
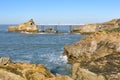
(91, 28)
(96, 56)
(29, 26)
(26, 71)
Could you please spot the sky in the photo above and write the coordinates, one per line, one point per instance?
(58, 11)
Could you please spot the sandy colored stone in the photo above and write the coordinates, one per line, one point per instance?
(29, 26)
(99, 53)
(95, 27)
(5, 60)
(84, 74)
(26, 71)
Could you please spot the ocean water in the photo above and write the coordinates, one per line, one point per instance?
(44, 49)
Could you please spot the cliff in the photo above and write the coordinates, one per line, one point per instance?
(26, 71)
(95, 57)
(92, 28)
(29, 26)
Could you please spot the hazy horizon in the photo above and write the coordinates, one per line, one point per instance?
(58, 12)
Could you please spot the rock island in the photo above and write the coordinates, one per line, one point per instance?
(29, 26)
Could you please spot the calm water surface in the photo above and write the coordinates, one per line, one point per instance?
(44, 49)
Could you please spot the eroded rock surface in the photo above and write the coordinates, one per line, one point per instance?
(96, 56)
(29, 26)
(26, 71)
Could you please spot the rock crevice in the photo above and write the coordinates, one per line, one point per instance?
(95, 57)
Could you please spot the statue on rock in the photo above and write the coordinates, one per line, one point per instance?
(29, 26)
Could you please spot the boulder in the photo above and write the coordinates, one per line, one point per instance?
(48, 30)
(84, 74)
(5, 60)
(29, 26)
(97, 54)
(27, 71)
(92, 28)
(12, 28)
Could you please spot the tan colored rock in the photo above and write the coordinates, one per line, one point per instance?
(59, 77)
(29, 26)
(91, 47)
(26, 71)
(84, 74)
(5, 75)
(92, 28)
(98, 53)
(5, 60)
(89, 28)
(12, 28)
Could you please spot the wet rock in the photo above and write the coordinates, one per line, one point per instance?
(29, 26)
(97, 54)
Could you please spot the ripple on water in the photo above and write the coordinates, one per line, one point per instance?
(44, 49)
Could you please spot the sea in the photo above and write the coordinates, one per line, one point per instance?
(41, 48)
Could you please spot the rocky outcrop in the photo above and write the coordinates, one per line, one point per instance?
(95, 57)
(26, 71)
(29, 26)
(48, 30)
(5, 60)
(91, 28)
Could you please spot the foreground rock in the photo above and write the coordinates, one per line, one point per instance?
(91, 28)
(29, 26)
(95, 57)
(26, 71)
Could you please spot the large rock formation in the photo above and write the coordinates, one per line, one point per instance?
(95, 57)
(91, 28)
(29, 26)
(26, 71)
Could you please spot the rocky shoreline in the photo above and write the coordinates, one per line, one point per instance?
(95, 57)
(96, 27)
(30, 27)
(26, 71)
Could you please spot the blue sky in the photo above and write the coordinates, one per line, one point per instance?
(58, 11)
